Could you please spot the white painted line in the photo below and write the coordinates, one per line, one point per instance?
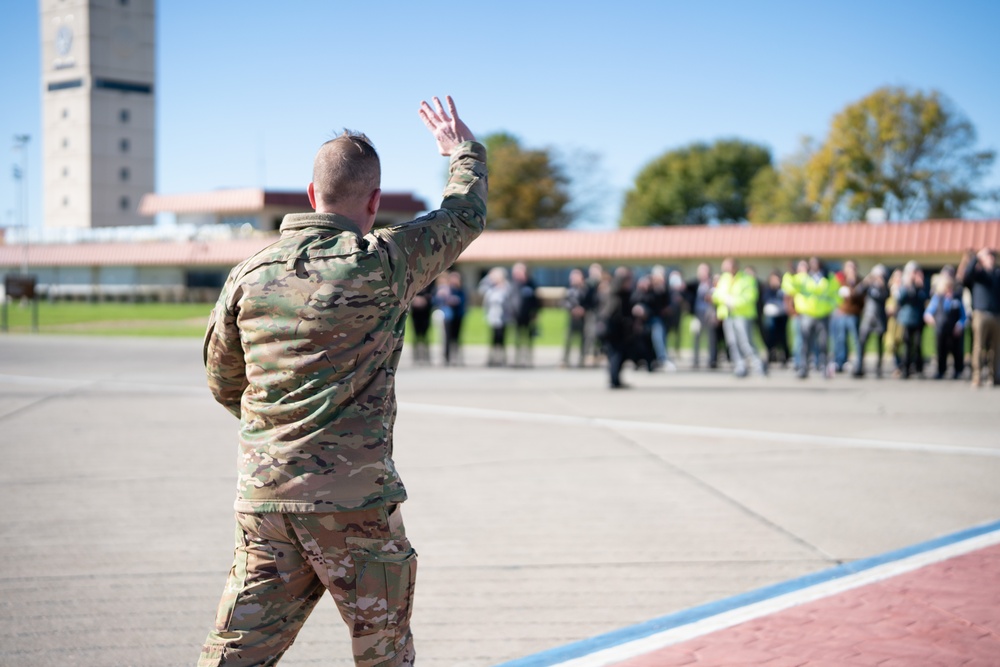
(99, 384)
(725, 620)
(635, 641)
(696, 431)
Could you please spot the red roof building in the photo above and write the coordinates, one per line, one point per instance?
(263, 209)
(108, 269)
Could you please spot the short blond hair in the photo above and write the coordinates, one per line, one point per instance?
(346, 169)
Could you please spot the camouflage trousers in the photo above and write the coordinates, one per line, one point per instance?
(284, 562)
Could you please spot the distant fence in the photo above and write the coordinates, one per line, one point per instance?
(128, 293)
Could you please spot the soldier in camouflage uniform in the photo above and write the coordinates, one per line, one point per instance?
(303, 346)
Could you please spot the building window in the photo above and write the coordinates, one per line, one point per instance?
(65, 172)
(124, 174)
(124, 145)
(65, 143)
(123, 3)
(124, 203)
(65, 202)
(123, 115)
(65, 113)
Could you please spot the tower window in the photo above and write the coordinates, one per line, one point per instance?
(65, 202)
(65, 113)
(124, 145)
(124, 115)
(124, 203)
(124, 174)
(65, 172)
(65, 143)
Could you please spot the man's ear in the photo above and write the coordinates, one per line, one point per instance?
(374, 201)
(311, 191)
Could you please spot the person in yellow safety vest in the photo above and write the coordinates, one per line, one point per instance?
(735, 298)
(815, 297)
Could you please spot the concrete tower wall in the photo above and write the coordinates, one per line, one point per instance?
(99, 110)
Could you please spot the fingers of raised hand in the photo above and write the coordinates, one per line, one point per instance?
(428, 121)
(429, 116)
(440, 109)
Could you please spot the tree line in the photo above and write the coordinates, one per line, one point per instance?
(898, 154)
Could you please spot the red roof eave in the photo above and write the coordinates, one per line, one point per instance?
(904, 241)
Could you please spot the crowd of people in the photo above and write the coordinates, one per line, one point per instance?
(809, 317)
(509, 302)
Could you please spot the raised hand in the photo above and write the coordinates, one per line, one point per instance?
(448, 132)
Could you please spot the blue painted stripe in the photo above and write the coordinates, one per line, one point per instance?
(600, 642)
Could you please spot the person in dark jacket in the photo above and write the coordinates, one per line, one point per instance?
(526, 308)
(845, 322)
(450, 299)
(575, 305)
(657, 299)
(642, 350)
(774, 320)
(874, 319)
(420, 317)
(617, 324)
(979, 272)
(946, 314)
(704, 322)
(911, 297)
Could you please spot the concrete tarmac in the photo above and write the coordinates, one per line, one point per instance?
(545, 508)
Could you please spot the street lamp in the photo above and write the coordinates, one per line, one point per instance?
(21, 144)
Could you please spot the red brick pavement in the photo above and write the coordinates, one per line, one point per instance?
(942, 615)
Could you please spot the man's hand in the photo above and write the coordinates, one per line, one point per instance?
(448, 132)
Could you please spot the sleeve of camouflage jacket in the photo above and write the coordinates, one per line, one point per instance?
(419, 251)
(225, 365)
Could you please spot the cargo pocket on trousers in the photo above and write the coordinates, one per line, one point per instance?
(235, 582)
(385, 573)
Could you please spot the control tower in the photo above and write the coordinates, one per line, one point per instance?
(98, 110)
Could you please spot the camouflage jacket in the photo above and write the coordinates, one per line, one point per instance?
(305, 339)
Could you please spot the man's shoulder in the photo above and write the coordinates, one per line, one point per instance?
(318, 245)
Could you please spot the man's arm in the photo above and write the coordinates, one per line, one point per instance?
(966, 268)
(225, 365)
(419, 251)
(931, 310)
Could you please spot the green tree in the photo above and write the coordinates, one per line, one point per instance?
(779, 194)
(529, 189)
(695, 185)
(909, 153)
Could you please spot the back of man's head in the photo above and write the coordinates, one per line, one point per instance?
(346, 170)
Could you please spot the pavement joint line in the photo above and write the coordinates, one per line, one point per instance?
(620, 645)
(730, 499)
(69, 387)
(697, 431)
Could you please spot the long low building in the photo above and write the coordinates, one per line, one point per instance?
(195, 269)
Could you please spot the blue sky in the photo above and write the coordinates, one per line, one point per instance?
(248, 90)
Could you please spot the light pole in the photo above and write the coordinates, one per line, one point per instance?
(21, 144)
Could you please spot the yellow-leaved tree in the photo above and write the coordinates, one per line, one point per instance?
(909, 153)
